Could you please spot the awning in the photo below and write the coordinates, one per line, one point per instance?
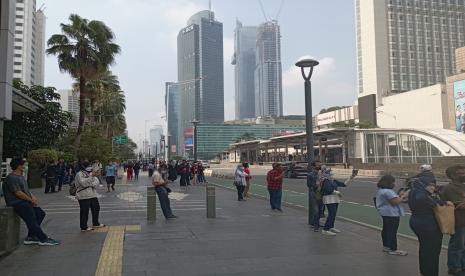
(24, 103)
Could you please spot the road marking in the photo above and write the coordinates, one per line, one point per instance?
(111, 257)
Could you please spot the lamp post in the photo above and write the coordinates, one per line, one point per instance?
(195, 123)
(307, 63)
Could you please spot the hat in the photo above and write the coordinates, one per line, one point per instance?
(426, 168)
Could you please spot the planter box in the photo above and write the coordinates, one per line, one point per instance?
(9, 229)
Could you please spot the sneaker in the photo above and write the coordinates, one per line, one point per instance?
(454, 271)
(172, 217)
(88, 229)
(386, 249)
(398, 253)
(49, 242)
(30, 241)
(328, 233)
(316, 229)
(335, 230)
(99, 226)
(280, 210)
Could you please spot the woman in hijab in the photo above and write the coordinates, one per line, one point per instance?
(239, 181)
(423, 198)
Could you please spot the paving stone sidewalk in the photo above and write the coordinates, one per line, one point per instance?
(246, 238)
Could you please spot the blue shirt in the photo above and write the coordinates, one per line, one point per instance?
(111, 170)
(385, 208)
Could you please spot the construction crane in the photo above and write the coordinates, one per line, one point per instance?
(262, 7)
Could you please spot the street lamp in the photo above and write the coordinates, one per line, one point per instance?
(307, 63)
(195, 123)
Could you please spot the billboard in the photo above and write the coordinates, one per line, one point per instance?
(459, 103)
(189, 138)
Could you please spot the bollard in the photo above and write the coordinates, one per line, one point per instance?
(151, 204)
(211, 201)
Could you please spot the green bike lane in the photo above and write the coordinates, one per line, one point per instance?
(359, 213)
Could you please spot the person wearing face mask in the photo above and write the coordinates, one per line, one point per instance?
(422, 199)
(240, 182)
(455, 192)
(331, 198)
(86, 183)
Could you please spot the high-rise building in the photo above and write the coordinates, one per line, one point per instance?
(245, 43)
(268, 71)
(172, 116)
(404, 45)
(156, 133)
(200, 71)
(69, 101)
(29, 44)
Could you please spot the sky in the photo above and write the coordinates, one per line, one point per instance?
(146, 30)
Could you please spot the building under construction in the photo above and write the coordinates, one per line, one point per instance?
(268, 71)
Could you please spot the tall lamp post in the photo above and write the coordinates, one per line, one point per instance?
(307, 63)
(195, 123)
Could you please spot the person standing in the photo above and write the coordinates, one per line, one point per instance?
(50, 177)
(314, 190)
(239, 182)
(247, 179)
(111, 172)
(331, 198)
(60, 173)
(388, 205)
(172, 174)
(86, 194)
(194, 173)
(183, 170)
(151, 168)
(25, 204)
(422, 199)
(455, 192)
(162, 192)
(274, 179)
(136, 171)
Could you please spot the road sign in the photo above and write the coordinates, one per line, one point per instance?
(120, 139)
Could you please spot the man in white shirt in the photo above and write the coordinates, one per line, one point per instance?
(162, 192)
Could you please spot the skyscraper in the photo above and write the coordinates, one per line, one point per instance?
(156, 132)
(172, 106)
(69, 101)
(404, 45)
(268, 71)
(200, 70)
(245, 43)
(29, 44)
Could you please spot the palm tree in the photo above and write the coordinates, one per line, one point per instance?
(85, 49)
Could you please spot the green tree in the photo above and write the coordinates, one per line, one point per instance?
(333, 108)
(85, 49)
(41, 129)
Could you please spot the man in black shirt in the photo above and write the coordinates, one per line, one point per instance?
(50, 177)
(18, 196)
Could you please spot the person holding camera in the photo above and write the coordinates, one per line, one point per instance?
(86, 183)
(159, 182)
(387, 202)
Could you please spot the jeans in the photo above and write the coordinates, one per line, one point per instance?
(59, 179)
(50, 183)
(84, 206)
(456, 252)
(318, 210)
(136, 174)
(389, 232)
(430, 247)
(332, 211)
(201, 178)
(275, 198)
(240, 192)
(33, 217)
(164, 201)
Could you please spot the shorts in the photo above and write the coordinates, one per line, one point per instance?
(110, 180)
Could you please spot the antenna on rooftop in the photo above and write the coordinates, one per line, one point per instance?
(263, 10)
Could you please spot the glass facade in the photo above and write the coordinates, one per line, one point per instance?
(398, 149)
(213, 139)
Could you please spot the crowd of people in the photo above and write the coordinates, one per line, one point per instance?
(421, 193)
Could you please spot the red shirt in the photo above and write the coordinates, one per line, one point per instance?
(247, 171)
(274, 179)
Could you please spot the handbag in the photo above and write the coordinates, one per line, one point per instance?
(332, 198)
(445, 217)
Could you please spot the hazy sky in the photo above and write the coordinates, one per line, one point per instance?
(146, 30)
